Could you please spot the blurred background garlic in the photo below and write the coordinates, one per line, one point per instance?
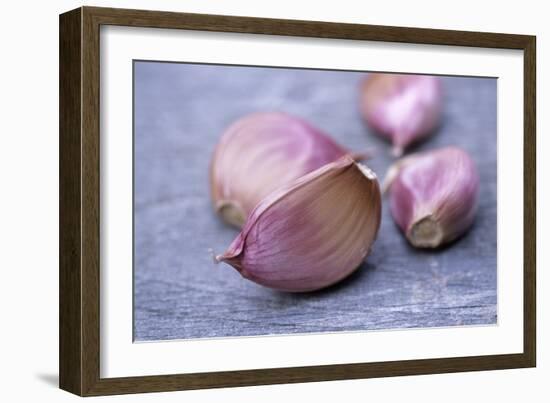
(433, 195)
(402, 108)
(310, 233)
(260, 152)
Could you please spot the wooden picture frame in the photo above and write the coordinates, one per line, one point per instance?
(79, 279)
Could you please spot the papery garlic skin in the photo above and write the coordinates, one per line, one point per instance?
(260, 152)
(403, 108)
(433, 195)
(311, 233)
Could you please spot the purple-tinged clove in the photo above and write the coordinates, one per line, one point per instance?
(433, 195)
(261, 152)
(402, 108)
(312, 232)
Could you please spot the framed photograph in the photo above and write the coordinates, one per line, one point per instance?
(248, 201)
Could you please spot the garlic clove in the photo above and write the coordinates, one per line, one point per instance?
(312, 232)
(259, 153)
(403, 108)
(433, 195)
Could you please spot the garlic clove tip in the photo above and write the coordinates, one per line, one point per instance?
(365, 155)
(397, 151)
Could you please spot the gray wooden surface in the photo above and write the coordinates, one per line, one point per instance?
(180, 112)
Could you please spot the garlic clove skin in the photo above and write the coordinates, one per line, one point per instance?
(312, 232)
(401, 107)
(433, 195)
(261, 152)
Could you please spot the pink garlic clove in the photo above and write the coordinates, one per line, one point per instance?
(433, 195)
(312, 232)
(402, 108)
(261, 152)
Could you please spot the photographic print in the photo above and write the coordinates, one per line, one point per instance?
(252, 201)
(273, 201)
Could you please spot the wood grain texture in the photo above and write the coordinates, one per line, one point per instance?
(530, 203)
(79, 200)
(91, 174)
(317, 29)
(70, 274)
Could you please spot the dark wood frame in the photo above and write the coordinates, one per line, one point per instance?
(79, 201)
